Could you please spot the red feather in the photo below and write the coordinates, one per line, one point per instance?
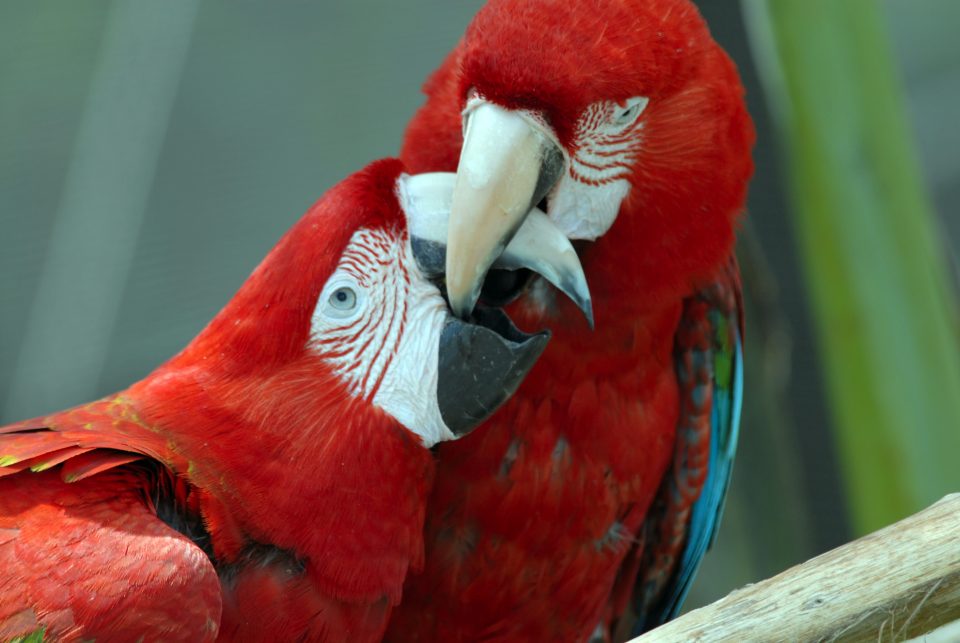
(89, 557)
(532, 516)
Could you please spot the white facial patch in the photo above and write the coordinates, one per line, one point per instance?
(607, 142)
(586, 210)
(378, 322)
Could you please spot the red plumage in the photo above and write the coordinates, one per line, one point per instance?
(303, 502)
(91, 557)
(531, 520)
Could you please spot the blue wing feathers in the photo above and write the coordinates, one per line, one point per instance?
(725, 359)
(707, 511)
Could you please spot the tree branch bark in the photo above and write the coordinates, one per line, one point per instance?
(891, 585)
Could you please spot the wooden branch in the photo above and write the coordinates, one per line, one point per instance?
(894, 584)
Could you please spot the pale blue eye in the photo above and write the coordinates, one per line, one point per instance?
(626, 114)
(343, 299)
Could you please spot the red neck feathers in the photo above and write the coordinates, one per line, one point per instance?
(292, 460)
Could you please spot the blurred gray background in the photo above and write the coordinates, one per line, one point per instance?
(152, 153)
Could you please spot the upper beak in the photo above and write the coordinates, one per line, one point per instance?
(507, 165)
(537, 245)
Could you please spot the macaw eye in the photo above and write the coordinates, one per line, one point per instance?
(627, 113)
(343, 299)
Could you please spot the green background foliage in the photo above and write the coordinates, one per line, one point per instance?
(872, 252)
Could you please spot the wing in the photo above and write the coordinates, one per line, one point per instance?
(84, 549)
(91, 560)
(84, 441)
(683, 523)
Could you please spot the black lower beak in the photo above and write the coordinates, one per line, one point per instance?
(481, 364)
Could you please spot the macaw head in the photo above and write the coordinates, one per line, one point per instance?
(346, 308)
(601, 110)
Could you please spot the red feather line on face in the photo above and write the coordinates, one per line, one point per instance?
(359, 349)
(604, 157)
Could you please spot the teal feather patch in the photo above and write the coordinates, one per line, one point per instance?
(710, 356)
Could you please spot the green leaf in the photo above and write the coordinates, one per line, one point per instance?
(876, 271)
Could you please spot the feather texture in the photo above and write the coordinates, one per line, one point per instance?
(618, 445)
(684, 524)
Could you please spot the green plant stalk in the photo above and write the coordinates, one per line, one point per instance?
(877, 274)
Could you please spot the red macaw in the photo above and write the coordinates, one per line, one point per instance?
(585, 505)
(269, 482)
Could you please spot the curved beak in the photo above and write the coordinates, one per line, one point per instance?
(480, 365)
(483, 358)
(507, 164)
(537, 244)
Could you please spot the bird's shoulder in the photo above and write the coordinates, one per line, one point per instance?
(88, 558)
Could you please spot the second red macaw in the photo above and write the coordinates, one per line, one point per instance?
(584, 507)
